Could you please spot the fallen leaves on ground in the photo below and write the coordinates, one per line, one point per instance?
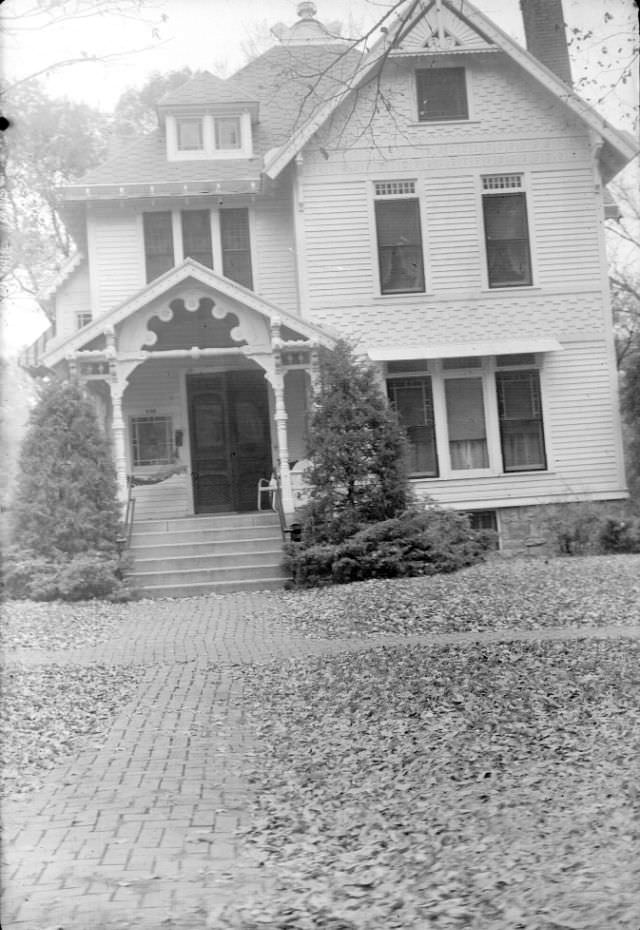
(517, 594)
(489, 787)
(59, 625)
(45, 711)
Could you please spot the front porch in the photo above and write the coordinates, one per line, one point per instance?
(204, 388)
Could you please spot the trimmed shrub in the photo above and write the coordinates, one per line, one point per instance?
(620, 535)
(417, 543)
(91, 575)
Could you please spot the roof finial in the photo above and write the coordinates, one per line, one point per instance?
(307, 9)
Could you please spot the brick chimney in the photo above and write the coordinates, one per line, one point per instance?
(545, 35)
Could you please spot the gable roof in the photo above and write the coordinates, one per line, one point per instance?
(619, 148)
(187, 270)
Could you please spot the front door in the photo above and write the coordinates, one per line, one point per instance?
(230, 447)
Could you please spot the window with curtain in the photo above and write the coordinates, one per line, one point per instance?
(507, 239)
(236, 245)
(442, 94)
(196, 236)
(466, 423)
(189, 135)
(520, 415)
(399, 246)
(413, 402)
(158, 243)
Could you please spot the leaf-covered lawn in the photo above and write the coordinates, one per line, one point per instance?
(59, 625)
(522, 594)
(490, 787)
(46, 711)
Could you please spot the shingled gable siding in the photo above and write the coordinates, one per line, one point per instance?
(117, 256)
(73, 297)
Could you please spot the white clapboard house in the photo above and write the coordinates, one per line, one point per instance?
(438, 202)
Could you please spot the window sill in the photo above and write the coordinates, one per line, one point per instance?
(511, 288)
(446, 122)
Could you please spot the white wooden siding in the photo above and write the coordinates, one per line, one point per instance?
(273, 255)
(338, 240)
(73, 297)
(452, 246)
(117, 257)
(563, 209)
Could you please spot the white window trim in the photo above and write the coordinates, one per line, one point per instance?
(525, 189)
(487, 372)
(209, 152)
(373, 236)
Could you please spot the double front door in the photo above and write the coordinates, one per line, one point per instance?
(230, 445)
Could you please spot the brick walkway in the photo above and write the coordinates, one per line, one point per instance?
(144, 826)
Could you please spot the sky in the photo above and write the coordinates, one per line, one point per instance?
(213, 34)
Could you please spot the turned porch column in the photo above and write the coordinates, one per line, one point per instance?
(119, 439)
(280, 417)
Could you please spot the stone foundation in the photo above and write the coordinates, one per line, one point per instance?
(534, 530)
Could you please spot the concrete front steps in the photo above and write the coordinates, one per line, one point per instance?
(207, 554)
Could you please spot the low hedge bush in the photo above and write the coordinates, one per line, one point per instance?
(83, 577)
(420, 542)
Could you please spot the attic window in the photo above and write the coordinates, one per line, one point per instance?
(228, 133)
(442, 94)
(190, 135)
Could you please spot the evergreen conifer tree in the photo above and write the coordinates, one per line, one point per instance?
(66, 495)
(357, 449)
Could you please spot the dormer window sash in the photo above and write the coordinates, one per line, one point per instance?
(190, 135)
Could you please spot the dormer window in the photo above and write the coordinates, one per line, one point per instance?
(228, 135)
(223, 135)
(190, 137)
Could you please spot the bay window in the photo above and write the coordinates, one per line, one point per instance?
(469, 415)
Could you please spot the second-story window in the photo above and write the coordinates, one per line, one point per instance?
(190, 135)
(158, 243)
(196, 236)
(399, 237)
(442, 94)
(506, 231)
(236, 245)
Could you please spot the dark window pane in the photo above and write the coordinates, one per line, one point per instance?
(158, 243)
(412, 400)
(399, 246)
(196, 236)
(520, 413)
(507, 240)
(152, 441)
(442, 94)
(236, 245)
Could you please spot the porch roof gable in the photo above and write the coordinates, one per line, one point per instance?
(187, 270)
